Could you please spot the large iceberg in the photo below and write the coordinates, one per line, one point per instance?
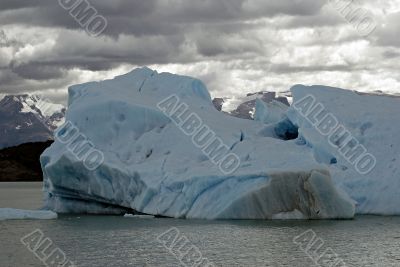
(150, 165)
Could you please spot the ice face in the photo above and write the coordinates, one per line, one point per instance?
(357, 137)
(156, 134)
(272, 112)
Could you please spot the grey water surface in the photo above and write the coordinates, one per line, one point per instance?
(119, 241)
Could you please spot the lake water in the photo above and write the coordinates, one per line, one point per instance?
(118, 241)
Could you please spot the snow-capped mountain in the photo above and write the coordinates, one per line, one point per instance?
(244, 107)
(25, 118)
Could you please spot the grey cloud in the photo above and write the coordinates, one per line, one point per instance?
(389, 54)
(326, 17)
(234, 36)
(388, 34)
(38, 71)
(228, 45)
(153, 16)
(286, 68)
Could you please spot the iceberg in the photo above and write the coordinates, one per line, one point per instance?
(17, 214)
(151, 165)
(270, 113)
(356, 136)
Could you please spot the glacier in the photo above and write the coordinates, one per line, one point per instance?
(151, 167)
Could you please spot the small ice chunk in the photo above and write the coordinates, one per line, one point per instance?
(139, 216)
(16, 214)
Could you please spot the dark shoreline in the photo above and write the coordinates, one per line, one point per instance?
(22, 163)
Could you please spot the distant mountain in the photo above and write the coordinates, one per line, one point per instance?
(218, 103)
(244, 107)
(379, 93)
(25, 118)
(21, 163)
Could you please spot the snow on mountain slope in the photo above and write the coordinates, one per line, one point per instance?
(40, 105)
(25, 118)
(370, 122)
(244, 107)
(151, 166)
(51, 113)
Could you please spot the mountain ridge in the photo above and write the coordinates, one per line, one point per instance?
(28, 118)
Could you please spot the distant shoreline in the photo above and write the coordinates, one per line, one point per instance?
(22, 163)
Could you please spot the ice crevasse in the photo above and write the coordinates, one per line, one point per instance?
(151, 166)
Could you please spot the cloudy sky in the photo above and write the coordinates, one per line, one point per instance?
(234, 46)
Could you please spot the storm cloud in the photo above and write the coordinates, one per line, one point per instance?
(234, 46)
